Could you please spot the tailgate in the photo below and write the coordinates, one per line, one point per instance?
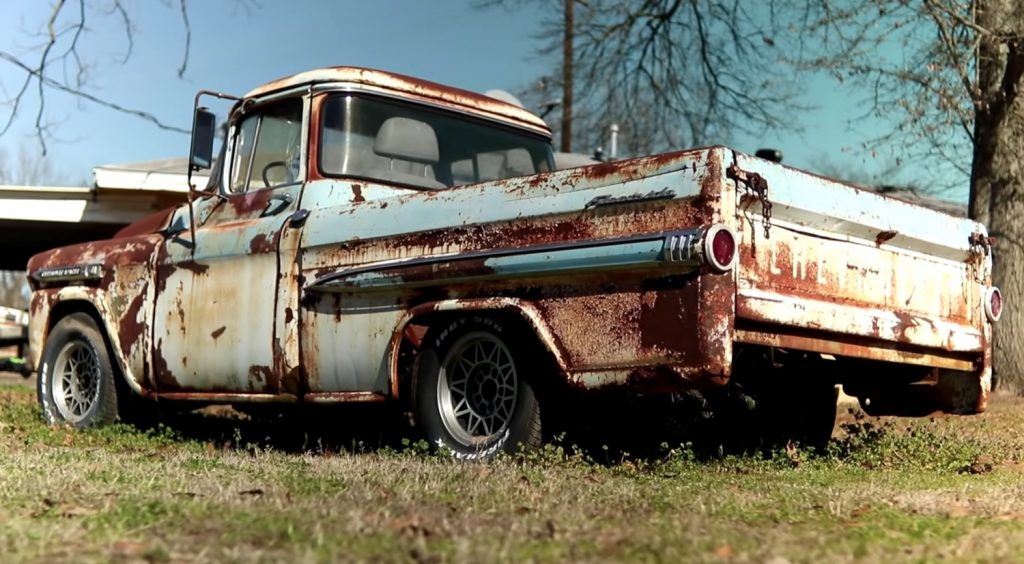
(877, 277)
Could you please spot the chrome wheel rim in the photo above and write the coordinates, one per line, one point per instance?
(477, 389)
(76, 381)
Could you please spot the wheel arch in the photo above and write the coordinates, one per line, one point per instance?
(415, 326)
(92, 302)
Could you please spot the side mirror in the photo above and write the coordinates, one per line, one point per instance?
(204, 127)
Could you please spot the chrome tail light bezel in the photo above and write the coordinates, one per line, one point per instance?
(708, 248)
(993, 311)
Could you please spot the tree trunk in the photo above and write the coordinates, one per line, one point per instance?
(997, 176)
(567, 72)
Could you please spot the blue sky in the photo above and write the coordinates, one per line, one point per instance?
(234, 49)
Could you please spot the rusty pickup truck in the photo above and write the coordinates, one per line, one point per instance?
(371, 237)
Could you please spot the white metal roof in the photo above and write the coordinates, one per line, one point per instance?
(414, 87)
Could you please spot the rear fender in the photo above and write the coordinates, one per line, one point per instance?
(509, 306)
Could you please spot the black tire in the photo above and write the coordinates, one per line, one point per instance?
(473, 396)
(801, 408)
(778, 397)
(75, 384)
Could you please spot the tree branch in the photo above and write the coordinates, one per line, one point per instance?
(89, 97)
(188, 37)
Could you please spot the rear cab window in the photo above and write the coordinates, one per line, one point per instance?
(378, 139)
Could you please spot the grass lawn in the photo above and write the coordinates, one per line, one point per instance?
(218, 489)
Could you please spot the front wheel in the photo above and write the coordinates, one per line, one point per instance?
(472, 394)
(76, 378)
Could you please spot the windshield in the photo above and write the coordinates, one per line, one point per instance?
(397, 143)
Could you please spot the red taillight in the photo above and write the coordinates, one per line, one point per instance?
(993, 304)
(720, 248)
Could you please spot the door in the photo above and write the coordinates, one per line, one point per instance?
(214, 325)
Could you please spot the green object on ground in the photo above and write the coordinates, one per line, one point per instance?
(14, 364)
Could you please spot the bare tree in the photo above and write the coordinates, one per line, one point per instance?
(30, 168)
(946, 74)
(949, 75)
(997, 175)
(58, 61)
(671, 73)
(13, 289)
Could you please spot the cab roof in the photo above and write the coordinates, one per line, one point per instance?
(407, 86)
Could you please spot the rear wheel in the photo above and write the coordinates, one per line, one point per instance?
(778, 397)
(76, 383)
(801, 410)
(472, 394)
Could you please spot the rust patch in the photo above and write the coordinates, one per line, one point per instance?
(711, 183)
(336, 307)
(658, 380)
(537, 180)
(149, 224)
(262, 244)
(191, 266)
(668, 320)
(218, 332)
(181, 316)
(414, 334)
(716, 325)
(130, 328)
(260, 377)
(289, 315)
(111, 254)
(627, 170)
(884, 236)
(291, 382)
(647, 217)
(248, 203)
(164, 379)
(357, 193)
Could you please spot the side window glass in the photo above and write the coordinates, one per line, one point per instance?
(245, 139)
(267, 147)
(179, 222)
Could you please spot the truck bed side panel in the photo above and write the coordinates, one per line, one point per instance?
(852, 272)
(609, 323)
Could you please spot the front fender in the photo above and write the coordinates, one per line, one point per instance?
(122, 321)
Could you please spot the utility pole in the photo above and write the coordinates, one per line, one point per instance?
(567, 59)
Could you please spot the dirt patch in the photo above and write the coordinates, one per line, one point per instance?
(15, 378)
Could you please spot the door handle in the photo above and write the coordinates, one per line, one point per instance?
(276, 204)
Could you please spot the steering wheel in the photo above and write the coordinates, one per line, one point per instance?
(270, 165)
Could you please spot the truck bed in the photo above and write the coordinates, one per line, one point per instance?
(858, 264)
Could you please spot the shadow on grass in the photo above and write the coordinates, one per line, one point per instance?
(636, 434)
(605, 430)
(311, 429)
(603, 433)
